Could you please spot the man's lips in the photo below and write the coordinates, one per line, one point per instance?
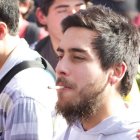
(63, 85)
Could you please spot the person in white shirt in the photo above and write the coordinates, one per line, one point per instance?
(98, 60)
(26, 104)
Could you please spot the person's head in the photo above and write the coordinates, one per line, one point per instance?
(26, 7)
(98, 59)
(46, 4)
(50, 13)
(9, 16)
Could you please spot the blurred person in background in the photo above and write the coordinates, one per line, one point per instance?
(49, 14)
(26, 103)
(27, 29)
(128, 8)
(124, 7)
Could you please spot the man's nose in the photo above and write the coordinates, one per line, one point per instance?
(62, 68)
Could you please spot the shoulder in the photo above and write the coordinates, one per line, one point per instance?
(32, 83)
(43, 43)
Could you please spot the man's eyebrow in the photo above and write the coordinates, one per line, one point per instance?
(72, 50)
(65, 6)
(77, 50)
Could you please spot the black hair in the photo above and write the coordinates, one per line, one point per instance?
(9, 14)
(117, 40)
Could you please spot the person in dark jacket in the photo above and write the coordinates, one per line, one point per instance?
(49, 14)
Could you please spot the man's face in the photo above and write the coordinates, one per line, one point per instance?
(58, 11)
(80, 72)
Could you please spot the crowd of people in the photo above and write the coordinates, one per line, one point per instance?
(75, 70)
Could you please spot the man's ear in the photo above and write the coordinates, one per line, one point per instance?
(41, 17)
(117, 73)
(3, 30)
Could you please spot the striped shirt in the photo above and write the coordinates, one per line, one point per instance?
(25, 103)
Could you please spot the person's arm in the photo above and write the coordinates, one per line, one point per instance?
(28, 120)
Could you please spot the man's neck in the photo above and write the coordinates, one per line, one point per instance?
(8, 46)
(111, 108)
(55, 43)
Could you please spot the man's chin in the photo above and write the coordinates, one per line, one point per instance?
(66, 112)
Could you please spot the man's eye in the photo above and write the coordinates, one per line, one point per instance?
(62, 10)
(78, 57)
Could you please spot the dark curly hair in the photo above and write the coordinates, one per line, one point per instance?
(9, 14)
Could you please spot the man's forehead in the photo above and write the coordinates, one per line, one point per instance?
(78, 35)
(77, 39)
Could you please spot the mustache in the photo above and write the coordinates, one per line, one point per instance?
(65, 82)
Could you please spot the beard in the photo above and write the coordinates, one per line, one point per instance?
(90, 101)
